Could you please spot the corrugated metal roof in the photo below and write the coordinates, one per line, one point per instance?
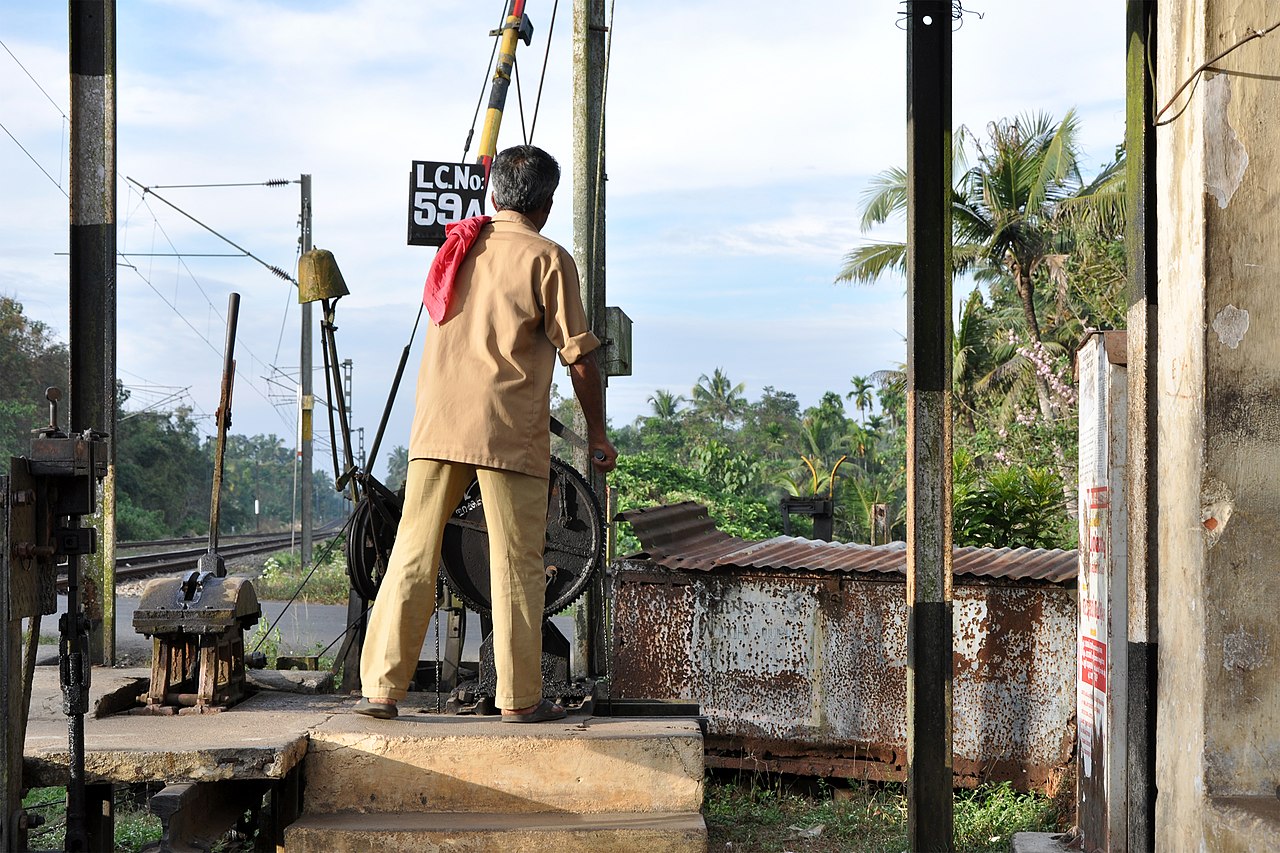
(682, 536)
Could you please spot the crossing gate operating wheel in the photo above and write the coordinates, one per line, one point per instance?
(573, 552)
(373, 532)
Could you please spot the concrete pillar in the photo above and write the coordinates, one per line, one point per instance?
(1218, 421)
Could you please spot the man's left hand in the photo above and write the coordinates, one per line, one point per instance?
(604, 457)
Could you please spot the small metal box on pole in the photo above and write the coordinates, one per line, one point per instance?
(617, 349)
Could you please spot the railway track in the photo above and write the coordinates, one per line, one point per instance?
(146, 562)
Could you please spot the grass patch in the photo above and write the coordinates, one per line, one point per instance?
(762, 813)
(135, 825)
(282, 574)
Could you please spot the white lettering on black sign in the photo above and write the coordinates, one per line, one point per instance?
(441, 193)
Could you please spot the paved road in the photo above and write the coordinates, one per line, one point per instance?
(304, 629)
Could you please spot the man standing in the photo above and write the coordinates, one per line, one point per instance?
(503, 300)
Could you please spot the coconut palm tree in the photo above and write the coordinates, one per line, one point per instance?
(717, 398)
(666, 406)
(863, 388)
(971, 360)
(1011, 212)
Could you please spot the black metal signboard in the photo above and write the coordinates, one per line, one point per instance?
(441, 193)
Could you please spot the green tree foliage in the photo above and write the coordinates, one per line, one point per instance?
(1007, 506)
(163, 475)
(717, 399)
(397, 467)
(1016, 216)
(647, 479)
(30, 361)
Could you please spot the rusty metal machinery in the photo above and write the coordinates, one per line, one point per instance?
(196, 624)
(573, 553)
(45, 497)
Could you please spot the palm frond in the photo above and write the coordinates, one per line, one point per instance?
(867, 263)
(884, 197)
(1057, 163)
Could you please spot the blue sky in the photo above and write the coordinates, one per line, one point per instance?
(740, 137)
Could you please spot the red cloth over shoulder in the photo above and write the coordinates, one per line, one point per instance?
(459, 237)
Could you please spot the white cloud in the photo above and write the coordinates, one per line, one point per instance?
(739, 138)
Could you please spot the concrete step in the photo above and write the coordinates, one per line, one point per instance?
(442, 763)
(473, 833)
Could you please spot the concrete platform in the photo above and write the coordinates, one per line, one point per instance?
(430, 763)
(477, 833)
(261, 738)
(421, 782)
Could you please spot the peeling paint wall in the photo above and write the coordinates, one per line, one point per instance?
(813, 664)
(1219, 423)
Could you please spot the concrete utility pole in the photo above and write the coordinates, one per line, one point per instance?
(929, 673)
(588, 251)
(92, 49)
(308, 398)
(1143, 450)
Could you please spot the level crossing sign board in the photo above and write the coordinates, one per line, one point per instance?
(441, 193)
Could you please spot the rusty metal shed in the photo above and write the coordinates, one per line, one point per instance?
(796, 650)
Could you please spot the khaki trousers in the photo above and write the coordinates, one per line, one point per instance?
(515, 510)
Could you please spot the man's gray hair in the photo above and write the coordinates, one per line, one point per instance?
(523, 178)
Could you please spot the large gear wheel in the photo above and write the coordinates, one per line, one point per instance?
(373, 531)
(574, 548)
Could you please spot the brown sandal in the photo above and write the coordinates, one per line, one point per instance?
(545, 712)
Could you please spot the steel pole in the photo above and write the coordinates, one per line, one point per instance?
(308, 397)
(1144, 448)
(92, 384)
(589, 253)
(929, 643)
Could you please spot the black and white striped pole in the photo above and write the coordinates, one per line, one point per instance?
(92, 54)
(929, 669)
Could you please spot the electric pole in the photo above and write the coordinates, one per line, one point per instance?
(588, 251)
(930, 820)
(308, 398)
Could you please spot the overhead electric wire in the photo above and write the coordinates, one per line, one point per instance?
(32, 158)
(61, 112)
(212, 307)
(176, 254)
(33, 79)
(274, 182)
(272, 268)
(542, 78)
(180, 255)
(217, 350)
(484, 87)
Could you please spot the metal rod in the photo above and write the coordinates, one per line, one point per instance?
(328, 390)
(330, 344)
(929, 643)
(224, 418)
(308, 398)
(391, 401)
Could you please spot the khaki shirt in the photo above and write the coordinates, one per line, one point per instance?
(484, 387)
